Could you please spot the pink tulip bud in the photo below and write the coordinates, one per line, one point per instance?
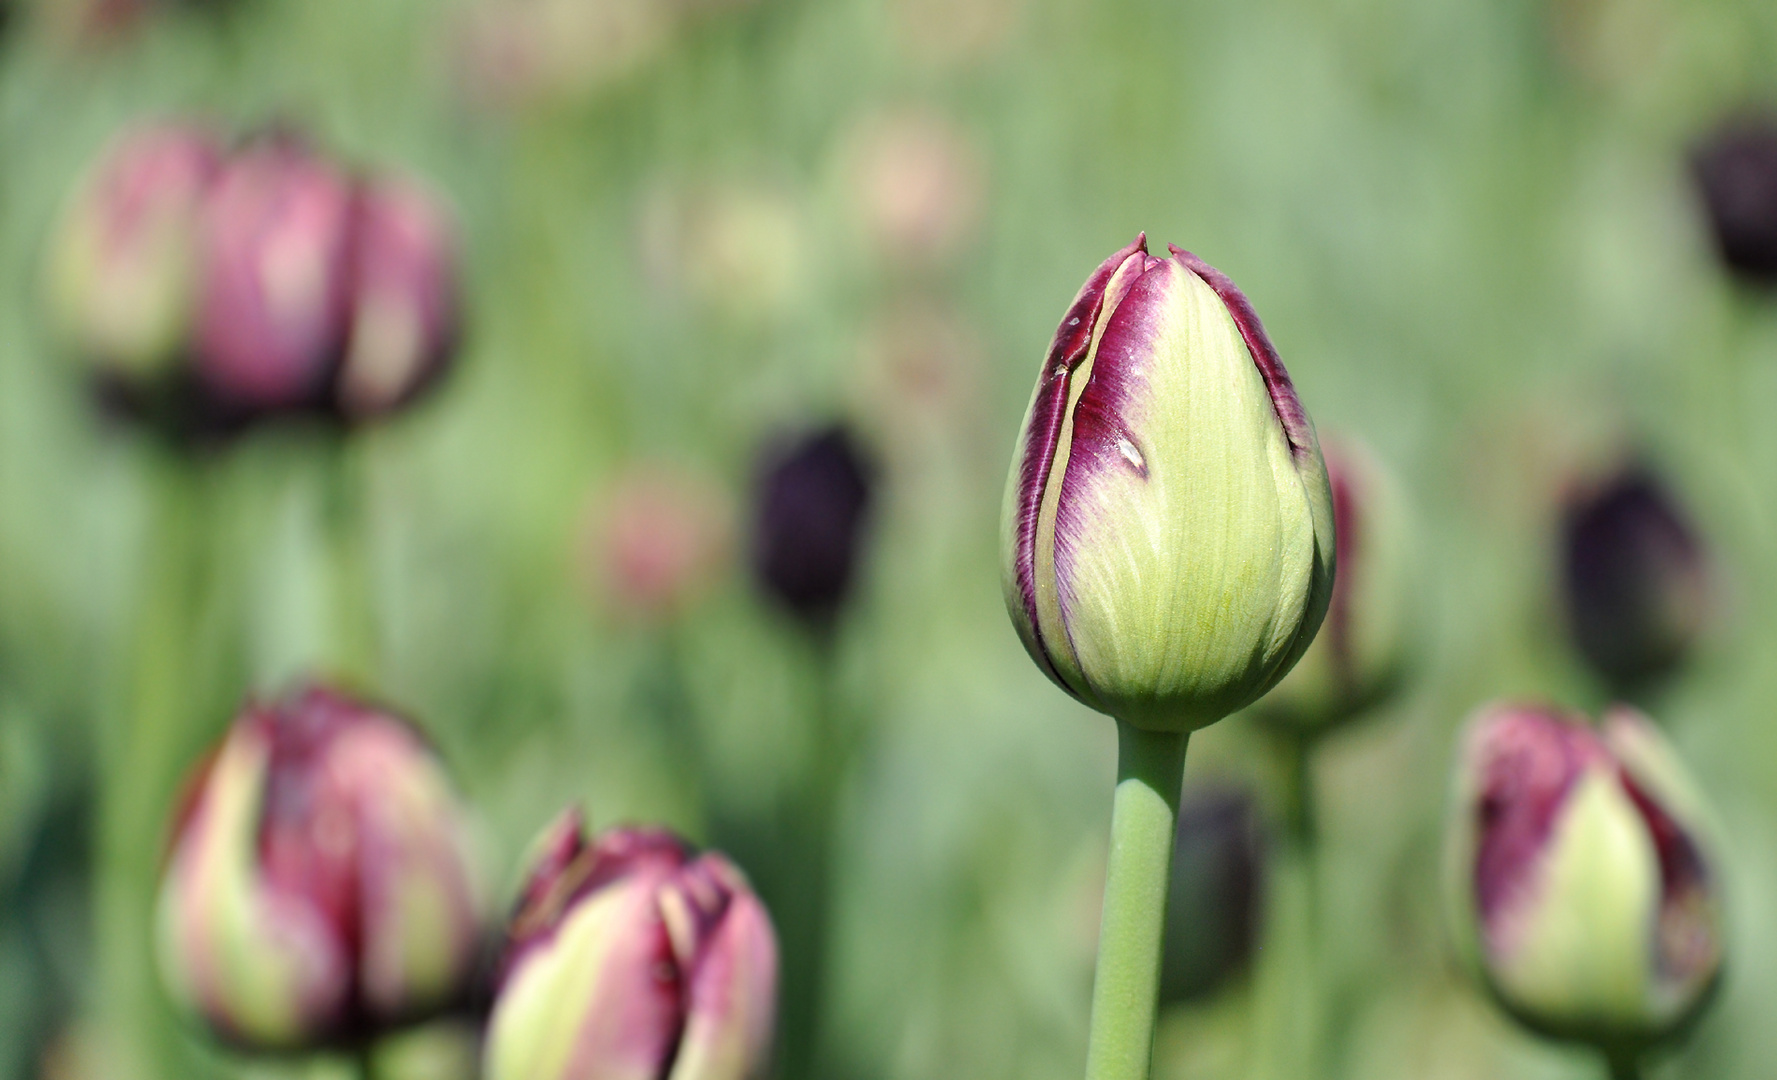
(319, 887)
(274, 294)
(122, 262)
(654, 541)
(403, 326)
(630, 958)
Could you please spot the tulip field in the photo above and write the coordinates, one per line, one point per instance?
(887, 540)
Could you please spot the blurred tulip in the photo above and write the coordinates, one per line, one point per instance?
(1583, 880)
(1167, 532)
(918, 183)
(123, 259)
(1364, 645)
(1736, 173)
(273, 297)
(1218, 878)
(520, 53)
(655, 540)
(1635, 578)
(404, 302)
(954, 32)
(630, 957)
(319, 886)
(811, 502)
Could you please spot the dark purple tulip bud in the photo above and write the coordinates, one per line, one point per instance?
(812, 499)
(1736, 173)
(631, 958)
(123, 261)
(319, 888)
(404, 302)
(274, 295)
(1583, 879)
(1636, 578)
(1218, 879)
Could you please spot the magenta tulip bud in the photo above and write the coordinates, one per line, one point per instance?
(319, 887)
(1584, 881)
(1735, 170)
(123, 261)
(404, 304)
(274, 294)
(630, 958)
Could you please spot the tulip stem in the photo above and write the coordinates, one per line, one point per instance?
(1623, 1066)
(364, 1062)
(351, 632)
(1126, 989)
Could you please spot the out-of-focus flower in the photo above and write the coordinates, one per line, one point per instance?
(518, 53)
(1635, 578)
(919, 376)
(632, 957)
(952, 33)
(123, 260)
(404, 303)
(1736, 174)
(654, 540)
(276, 278)
(1167, 534)
(811, 502)
(918, 183)
(1365, 642)
(1212, 909)
(751, 252)
(319, 888)
(1584, 882)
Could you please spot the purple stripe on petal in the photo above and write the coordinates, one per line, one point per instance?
(1283, 392)
(1101, 440)
(1048, 412)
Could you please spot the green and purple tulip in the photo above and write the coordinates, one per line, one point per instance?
(275, 284)
(1167, 536)
(319, 887)
(1584, 876)
(631, 958)
(404, 298)
(1366, 642)
(123, 262)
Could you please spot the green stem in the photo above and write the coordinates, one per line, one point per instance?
(1290, 982)
(1625, 1066)
(147, 742)
(364, 1061)
(1126, 989)
(350, 649)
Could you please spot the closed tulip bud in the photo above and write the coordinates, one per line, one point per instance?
(122, 262)
(655, 541)
(1736, 174)
(1584, 878)
(812, 499)
(403, 325)
(1218, 880)
(1167, 537)
(1366, 640)
(630, 958)
(319, 886)
(276, 275)
(1635, 576)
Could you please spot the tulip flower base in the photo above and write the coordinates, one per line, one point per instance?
(1126, 989)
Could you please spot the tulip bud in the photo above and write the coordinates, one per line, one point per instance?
(1212, 909)
(1583, 876)
(123, 260)
(654, 541)
(630, 957)
(319, 886)
(1736, 173)
(1363, 646)
(811, 501)
(276, 274)
(1167, 535)
(403, 324)
(1636, 580)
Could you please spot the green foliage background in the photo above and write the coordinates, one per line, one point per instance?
(1468, 227)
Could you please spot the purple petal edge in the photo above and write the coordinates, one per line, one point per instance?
(1283, 392)
(1066, 351)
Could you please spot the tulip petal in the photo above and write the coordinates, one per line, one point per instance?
(732, 1004)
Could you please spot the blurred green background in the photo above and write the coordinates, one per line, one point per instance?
(1469, 229)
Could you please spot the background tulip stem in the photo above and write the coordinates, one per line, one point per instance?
(1292, 984)
(1126, 989)
(350, 652)
(1623, 1066)
(364, 1062)
(149, 739)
